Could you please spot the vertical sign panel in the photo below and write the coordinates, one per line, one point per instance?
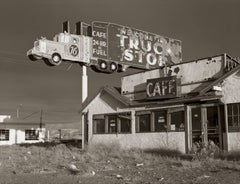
(100, 41)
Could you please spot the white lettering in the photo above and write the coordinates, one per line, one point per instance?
(134, 42)
(151, 59)
(128, 55)
(157, 89)
(156, 46)
(148, 89)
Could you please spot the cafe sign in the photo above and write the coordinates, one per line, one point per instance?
(163, 88)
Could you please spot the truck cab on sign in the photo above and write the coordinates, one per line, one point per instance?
(64, 47)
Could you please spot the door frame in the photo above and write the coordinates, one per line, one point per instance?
(204, 129)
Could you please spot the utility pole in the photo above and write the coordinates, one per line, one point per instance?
(41, 120)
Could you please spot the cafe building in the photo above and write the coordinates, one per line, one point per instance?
(172, 107)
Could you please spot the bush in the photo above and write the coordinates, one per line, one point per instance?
(204, 151)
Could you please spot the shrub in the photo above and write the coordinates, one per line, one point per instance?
(204, 151)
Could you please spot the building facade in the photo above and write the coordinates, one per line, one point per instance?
(174, 107)
(21, 133)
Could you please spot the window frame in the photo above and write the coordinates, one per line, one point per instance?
(36, 135)
(167, 114)
(233, 127)
(6, 133)
(117, 123)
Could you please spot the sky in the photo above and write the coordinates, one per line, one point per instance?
(205, 27)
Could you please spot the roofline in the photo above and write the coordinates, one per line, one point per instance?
(204, 90)
(184, 63)
(178, 100)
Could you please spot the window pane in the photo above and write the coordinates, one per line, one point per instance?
(112, 124)
(229, 108)
(31, 135)
(144, 123)
(99, 126)
(125, 125)
(235, 121)
(230, 123)
(160, 121)
(4, 135)
(235, 109)
(177, 121)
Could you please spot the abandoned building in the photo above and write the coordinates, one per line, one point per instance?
(19, 132)
(173, 107)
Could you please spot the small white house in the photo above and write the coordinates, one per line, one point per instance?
(21, 132)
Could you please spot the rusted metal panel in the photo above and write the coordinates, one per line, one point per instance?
(133, 47)
(192, 74)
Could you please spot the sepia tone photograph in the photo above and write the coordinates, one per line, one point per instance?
(120, 92)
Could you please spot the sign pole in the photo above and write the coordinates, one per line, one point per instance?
(84, 96)
(80, 31)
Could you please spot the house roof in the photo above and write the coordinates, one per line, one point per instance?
(112, 91)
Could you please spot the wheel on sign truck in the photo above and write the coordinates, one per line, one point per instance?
(34, 57)
(56, 60)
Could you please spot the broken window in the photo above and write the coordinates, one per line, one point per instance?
(31, 135)
(4, 135)
(234, 117)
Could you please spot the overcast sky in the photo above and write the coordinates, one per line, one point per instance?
(205, 27)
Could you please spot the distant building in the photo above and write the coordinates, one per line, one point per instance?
(174, 107)
(16, 132)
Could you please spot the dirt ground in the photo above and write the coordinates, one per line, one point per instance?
(60, 164)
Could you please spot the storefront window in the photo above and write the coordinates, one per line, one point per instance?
(234, 117)
(4, 135)
(144, 123)
(160, 122)
(177, 121)
(98, 124)
(112, 123)
(125, 122)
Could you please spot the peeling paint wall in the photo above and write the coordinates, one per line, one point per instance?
(192, 74)
(231, 89)
(170, 140)
(233, 141)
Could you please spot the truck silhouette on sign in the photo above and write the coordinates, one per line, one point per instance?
(110, 48)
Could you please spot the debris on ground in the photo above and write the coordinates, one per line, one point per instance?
(141, 164)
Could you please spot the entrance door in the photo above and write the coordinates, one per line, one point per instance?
(204, 125)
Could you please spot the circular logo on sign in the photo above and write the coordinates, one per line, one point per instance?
(73, 49)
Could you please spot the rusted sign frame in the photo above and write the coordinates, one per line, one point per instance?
(113, 48)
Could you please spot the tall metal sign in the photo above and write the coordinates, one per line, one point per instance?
(130, 46)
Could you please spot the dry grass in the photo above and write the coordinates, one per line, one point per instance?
(58, 157)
